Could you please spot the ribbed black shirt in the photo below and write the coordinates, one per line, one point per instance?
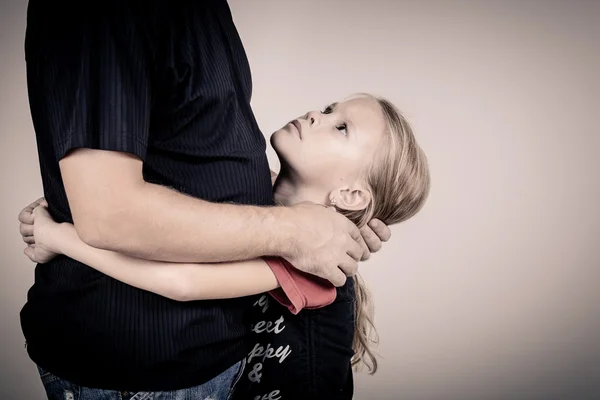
(168, 81)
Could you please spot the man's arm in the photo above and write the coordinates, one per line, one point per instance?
(46, 239)
(114, 209)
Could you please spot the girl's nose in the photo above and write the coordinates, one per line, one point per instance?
(314, 117)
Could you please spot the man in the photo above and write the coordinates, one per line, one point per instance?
(148, 144)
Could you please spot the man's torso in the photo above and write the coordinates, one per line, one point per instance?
(203, 141)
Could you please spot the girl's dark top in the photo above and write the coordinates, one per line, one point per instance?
(303, 356)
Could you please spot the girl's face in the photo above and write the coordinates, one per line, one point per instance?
(331, 149)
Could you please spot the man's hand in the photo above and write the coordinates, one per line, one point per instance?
(322, 242)
(36, 252)
(374, 234)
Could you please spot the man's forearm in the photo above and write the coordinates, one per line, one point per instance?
(158, 223)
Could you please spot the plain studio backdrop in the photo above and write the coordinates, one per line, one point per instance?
(492, 292)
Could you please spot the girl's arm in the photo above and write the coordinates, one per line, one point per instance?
(177, 281)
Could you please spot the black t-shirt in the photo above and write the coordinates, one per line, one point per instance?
(303, 356)
(169, 82)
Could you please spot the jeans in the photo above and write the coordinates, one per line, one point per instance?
(220, 387)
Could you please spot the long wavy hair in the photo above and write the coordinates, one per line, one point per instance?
(399, 183)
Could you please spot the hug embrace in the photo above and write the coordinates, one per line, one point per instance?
(171, 263)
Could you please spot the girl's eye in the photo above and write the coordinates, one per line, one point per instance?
(343, 127)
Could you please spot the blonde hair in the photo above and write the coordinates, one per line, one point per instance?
(399, 185)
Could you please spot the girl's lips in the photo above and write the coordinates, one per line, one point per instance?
(298, 127)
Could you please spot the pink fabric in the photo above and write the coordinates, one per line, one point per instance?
(298, 289)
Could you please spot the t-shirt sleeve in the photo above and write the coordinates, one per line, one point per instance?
(298, 289)
(88, 77)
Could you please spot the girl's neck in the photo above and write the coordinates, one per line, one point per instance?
(288, 191)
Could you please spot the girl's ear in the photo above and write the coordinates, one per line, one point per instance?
(351, 199)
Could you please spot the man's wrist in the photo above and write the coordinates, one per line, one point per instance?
(280, 237)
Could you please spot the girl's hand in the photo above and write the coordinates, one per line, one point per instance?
(39, 231)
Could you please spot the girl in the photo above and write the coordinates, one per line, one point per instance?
(358, 157)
